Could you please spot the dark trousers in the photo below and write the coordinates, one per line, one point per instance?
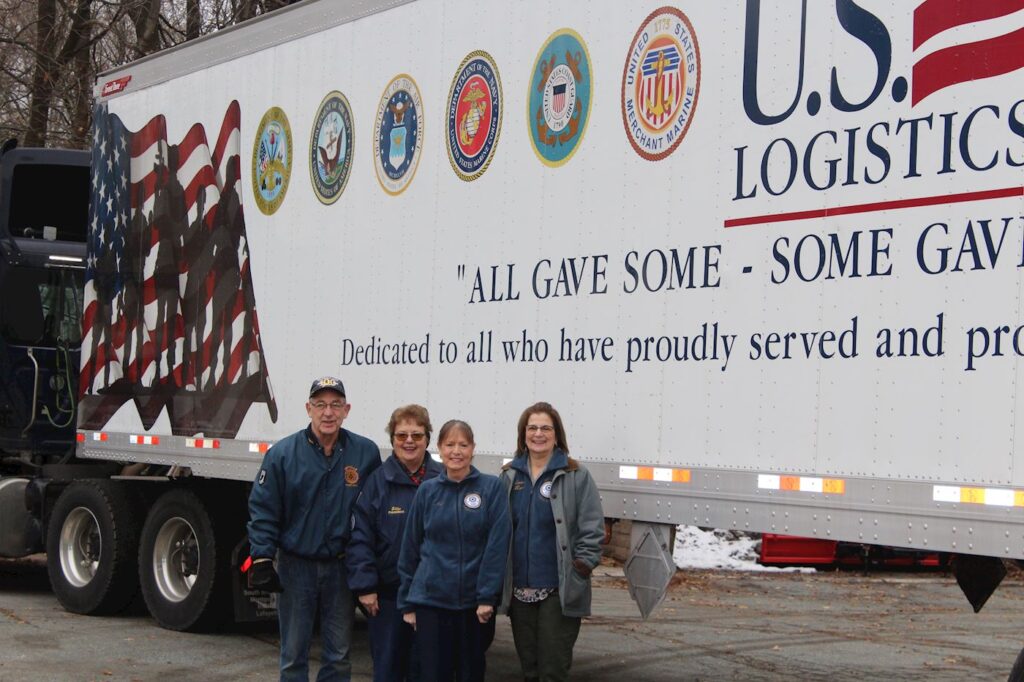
(451, 644)
(311, 586)
(391, 642)
(544, 638)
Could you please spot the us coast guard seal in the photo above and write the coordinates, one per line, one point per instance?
(558, 106)
(660, 83)
(475, 106)
(330, 148)
(398, 134)
(271, 160)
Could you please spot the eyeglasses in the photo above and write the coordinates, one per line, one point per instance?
(320, 405)
(543, 428)
(416, 437)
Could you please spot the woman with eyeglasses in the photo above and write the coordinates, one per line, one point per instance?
(453, 562)
(379, 520)
(557, 528)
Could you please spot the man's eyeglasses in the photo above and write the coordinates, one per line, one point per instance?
(401, 437)
(543, 428)
(320, 405)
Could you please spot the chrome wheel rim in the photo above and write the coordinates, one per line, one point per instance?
(176, 559)
(80, 547)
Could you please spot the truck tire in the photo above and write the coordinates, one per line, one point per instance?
(91, 547)
(185, 563)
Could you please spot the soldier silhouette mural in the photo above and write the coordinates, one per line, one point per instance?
(170, 312)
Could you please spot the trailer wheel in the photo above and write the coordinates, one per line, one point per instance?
(91, 547)
(184, 566)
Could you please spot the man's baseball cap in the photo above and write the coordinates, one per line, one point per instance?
(327, 384)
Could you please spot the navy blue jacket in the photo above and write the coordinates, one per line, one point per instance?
(534, 545)
(456, 544)
(378, 522)
(301, 501)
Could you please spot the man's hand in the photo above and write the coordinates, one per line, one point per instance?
(370, 603)
(582, 568)
(410, 618)
(262, 576)
(484, 612)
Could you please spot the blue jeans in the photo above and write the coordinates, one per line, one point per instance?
(308, 586)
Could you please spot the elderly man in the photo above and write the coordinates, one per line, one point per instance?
(300, 511)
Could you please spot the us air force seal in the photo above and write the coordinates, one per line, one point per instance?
(475, 106)
(660, 83)
(472, 501)
(271, 160)
(398, 134)
(558, 106)
(330, 148)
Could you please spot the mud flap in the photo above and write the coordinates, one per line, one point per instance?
(250, 605)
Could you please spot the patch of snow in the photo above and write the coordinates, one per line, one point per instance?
(722, 549)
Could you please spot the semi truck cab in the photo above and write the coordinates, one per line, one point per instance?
(44, 208)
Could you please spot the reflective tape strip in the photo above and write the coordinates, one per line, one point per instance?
(80, 437)
(144, 440)
(661, 474)
(99, 436)
(802, 484)
(202, 443)
(995, 497)
(261, 448)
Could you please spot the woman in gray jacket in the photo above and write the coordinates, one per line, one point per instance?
(557, 528)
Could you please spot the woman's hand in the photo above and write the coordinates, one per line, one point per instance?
(410, 618)
(484, 612)
(370, 603)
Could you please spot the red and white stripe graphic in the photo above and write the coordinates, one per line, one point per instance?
(260, 448)
(965, 40)
(202, 443)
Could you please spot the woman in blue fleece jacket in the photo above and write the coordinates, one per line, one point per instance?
(452, 564)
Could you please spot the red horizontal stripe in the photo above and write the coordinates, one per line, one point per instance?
(972, 61)
(935, 16)
(878, 206)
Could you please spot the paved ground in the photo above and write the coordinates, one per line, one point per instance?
(713, 626)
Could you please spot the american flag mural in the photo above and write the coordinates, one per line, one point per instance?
(170, 312)
(998, 49)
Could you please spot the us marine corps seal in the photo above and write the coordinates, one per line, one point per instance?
(660, 83)
(398, 134)
(558, 105)
(271, 160)
(475, 106)
(330, 147)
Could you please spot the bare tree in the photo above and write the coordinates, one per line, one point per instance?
(52, 50)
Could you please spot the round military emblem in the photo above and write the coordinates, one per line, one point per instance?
(472, 501)
(271, 160)
(545, 489)
(398, 134)
(558, 106)
(330, 148)
(660, 83)
(351, 475)
(475, 106)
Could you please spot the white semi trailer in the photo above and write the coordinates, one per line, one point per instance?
(765, 258)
